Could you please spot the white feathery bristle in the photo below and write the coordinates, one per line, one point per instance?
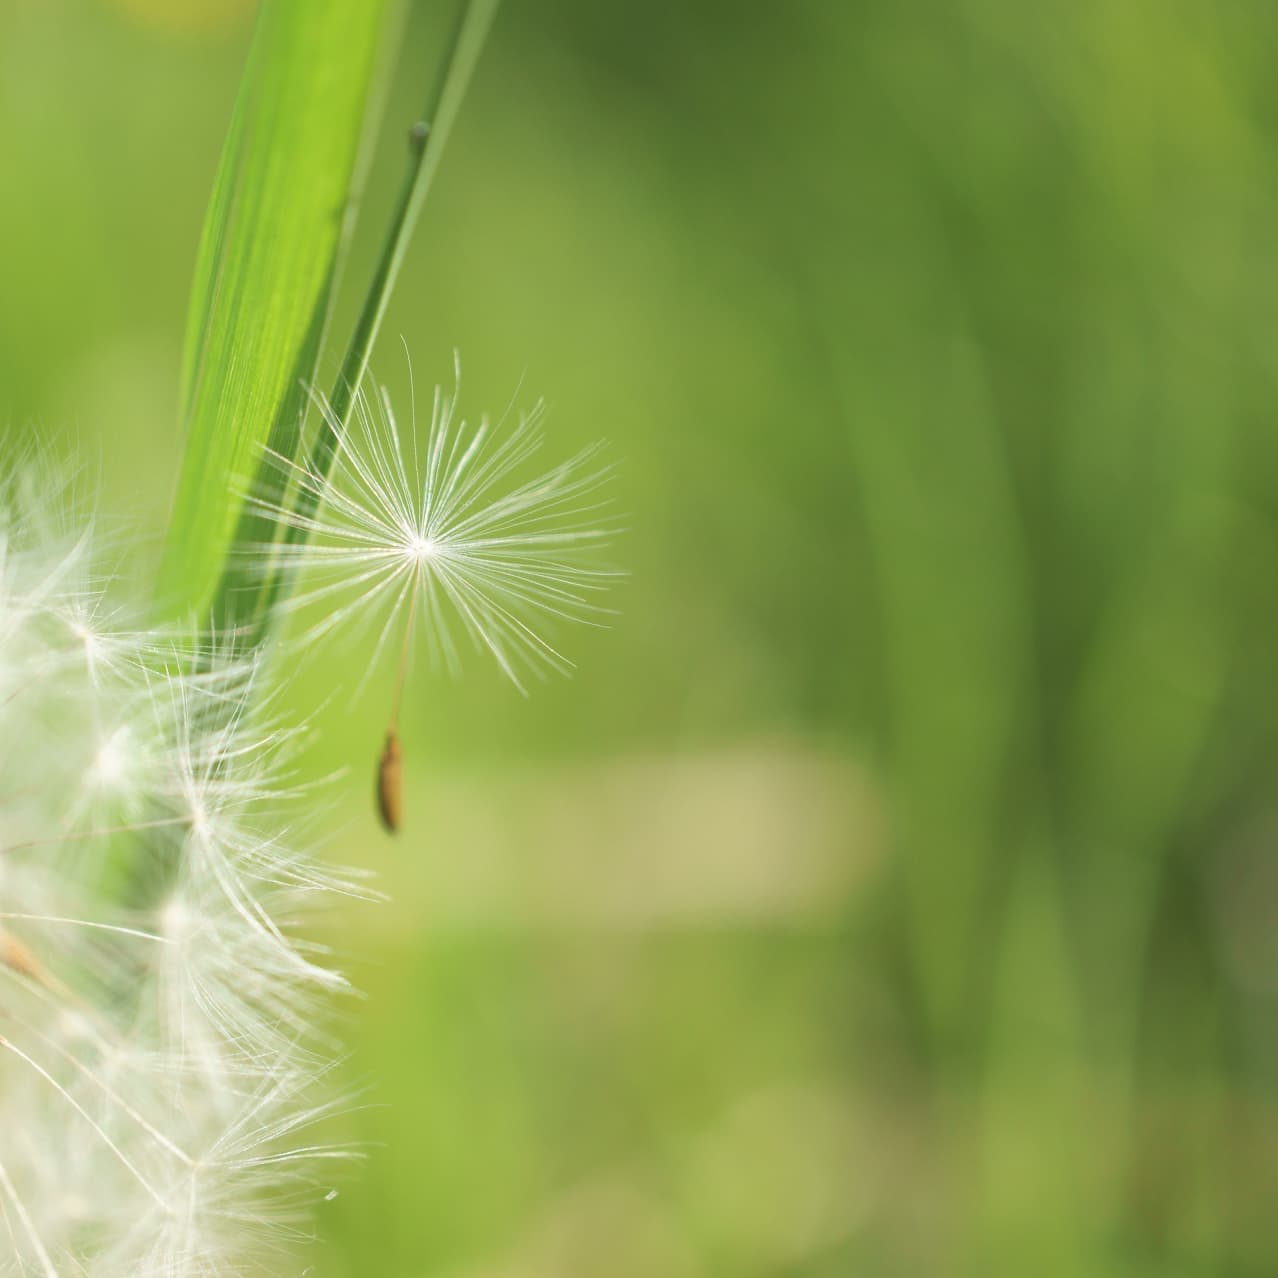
(158, 1047)
(445, 531)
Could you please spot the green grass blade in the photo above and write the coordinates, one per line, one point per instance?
(266, 266)
(474, 19)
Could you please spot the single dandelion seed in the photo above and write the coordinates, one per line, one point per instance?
(389, 770)
(441, 537)
(389, 783)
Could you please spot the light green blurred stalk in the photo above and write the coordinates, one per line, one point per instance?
(268, 258)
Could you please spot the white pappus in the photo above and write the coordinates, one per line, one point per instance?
(158, 1023)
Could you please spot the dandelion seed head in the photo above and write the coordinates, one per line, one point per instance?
(158, 1018)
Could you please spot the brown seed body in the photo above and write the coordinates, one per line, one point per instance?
(18, 958)
(389, 783)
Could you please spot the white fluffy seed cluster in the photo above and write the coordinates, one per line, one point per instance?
(158, 1012)
(157, 1046)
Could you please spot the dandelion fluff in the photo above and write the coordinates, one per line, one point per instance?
(440, 535)
(158, 1055)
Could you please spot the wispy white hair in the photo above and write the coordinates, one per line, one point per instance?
(158, 1041)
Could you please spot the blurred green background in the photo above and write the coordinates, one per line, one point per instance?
(894, 890)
